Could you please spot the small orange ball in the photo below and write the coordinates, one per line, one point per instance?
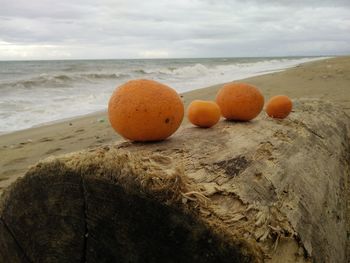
(203, 113)
(145, 110)
(279, 107)
(240, 101)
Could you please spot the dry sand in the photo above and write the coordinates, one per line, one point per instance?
(327, 79)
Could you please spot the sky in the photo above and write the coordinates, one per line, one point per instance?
(106, 29)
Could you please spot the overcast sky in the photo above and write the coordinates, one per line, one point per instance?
(69, 29)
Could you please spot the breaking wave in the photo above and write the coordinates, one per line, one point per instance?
(61, 80)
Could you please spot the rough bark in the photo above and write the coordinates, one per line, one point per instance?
(267, 190)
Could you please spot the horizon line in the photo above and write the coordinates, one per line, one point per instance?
(170, 58)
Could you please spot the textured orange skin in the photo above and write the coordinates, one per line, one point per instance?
(203, 113)
(145, 110)
(279, 107)
(240, 101)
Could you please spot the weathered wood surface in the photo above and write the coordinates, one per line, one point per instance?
(268, 190)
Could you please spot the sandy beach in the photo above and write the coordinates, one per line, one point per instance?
(327, 79)
(268, 181)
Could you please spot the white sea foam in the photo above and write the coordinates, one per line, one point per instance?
(34, 93)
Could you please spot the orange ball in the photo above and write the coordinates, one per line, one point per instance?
(240, 101)
(279, 107)
(203, 113)
(145, 110)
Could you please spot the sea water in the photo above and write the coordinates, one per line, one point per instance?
(37, 92)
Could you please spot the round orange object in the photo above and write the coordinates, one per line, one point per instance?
(240, 101)
(279, 107)
(203, 113)
(145, 110)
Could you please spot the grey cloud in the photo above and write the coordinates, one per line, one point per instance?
(288, 3)
(181, 28)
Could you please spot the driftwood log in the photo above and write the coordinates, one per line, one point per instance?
(263, 191)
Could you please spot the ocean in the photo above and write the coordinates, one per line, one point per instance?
(37, 92)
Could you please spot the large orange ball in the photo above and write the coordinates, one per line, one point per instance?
(279, 107)
(240, 101)
(203, 113)
(145, 110)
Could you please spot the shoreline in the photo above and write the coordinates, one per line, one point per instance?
(327, 79)
(58, 121)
